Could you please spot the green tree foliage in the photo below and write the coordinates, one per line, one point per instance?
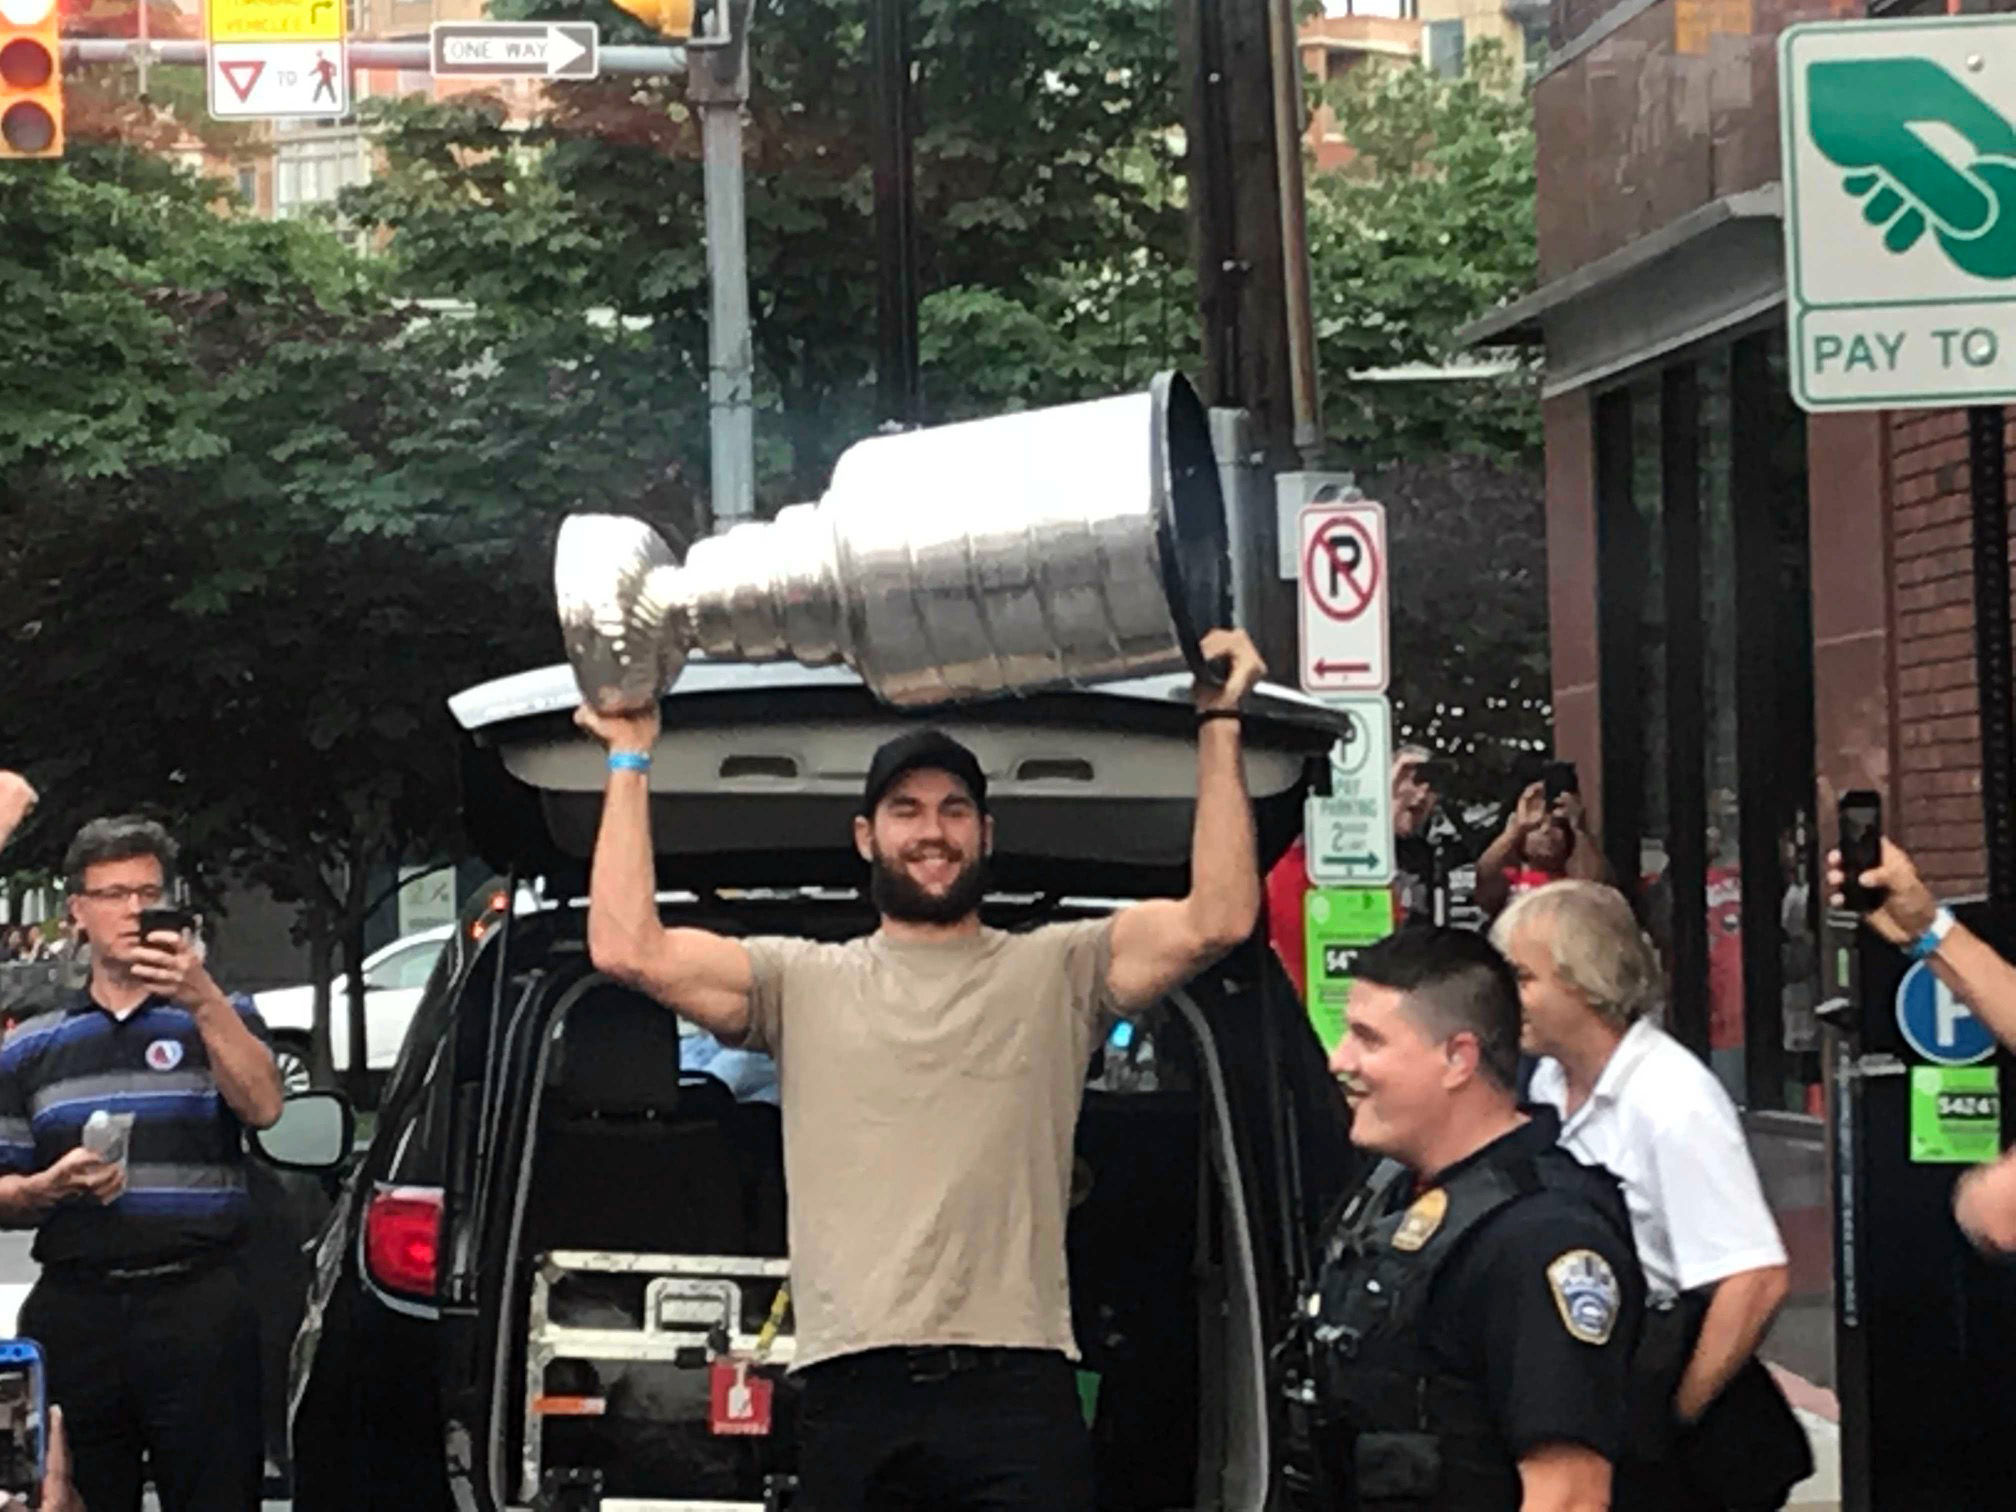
(263, 519)
(1051, 239)
(1429, 227)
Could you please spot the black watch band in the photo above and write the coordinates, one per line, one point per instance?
(1206, 716)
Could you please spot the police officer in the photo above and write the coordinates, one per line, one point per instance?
(1466, 1345)
(150, 1335)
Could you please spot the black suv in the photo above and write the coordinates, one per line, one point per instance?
(574, 1203)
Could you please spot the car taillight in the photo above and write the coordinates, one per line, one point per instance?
(402, 1238)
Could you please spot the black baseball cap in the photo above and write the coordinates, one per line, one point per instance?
(920, 749)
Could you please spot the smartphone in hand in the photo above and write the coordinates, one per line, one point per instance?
(1861, 848)
(165, 920)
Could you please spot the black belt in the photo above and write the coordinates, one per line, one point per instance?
(931, 1362)
(137, 1272)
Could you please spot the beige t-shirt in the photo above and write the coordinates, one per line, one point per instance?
(930, 1095)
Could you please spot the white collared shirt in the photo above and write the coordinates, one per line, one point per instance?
(1661, 1123)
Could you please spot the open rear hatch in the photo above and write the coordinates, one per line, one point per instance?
(631, 1210)
(758, 775)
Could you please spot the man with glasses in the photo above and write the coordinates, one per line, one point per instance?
(150, 1334)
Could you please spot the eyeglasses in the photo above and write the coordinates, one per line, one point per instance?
(146, 895)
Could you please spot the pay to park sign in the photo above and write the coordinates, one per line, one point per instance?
(1899, 144)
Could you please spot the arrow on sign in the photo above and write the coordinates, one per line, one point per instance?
(1326, 668)
(1356, 860)
(241, 76)
(562, 51)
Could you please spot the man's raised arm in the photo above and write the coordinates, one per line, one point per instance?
(704, 976)
(1162, 943)
(17, 797)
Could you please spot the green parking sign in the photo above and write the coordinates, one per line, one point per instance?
(1899, 142)
(1956, 1115)
(1338, 923)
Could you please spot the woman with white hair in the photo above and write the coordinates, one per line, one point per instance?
(1635, 1100)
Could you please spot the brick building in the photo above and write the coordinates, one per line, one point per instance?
(1753, 610)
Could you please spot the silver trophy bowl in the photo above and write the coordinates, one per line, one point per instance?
(1051, 549)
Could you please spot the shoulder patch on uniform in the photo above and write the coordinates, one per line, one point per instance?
(1586, 1292)
(1422, 1219)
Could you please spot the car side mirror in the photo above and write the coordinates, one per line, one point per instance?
(314, 1133)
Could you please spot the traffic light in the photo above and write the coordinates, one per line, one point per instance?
(31, 80)
(702, 23)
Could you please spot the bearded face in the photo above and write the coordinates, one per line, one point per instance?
(929, 883)
(926, 848)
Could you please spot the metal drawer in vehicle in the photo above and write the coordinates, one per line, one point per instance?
(617, 1356)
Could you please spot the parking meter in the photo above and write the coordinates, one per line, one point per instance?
(1924, 1326)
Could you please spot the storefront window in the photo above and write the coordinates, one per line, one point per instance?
(1707, 704)
(1722, 836)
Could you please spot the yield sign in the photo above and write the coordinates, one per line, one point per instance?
(242, 75)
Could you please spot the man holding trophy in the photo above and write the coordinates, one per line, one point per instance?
(931, 1072)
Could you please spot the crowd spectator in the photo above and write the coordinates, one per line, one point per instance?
(1541, 842)
(1713, 1430)
(140, 1252)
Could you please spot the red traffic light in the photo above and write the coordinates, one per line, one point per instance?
(25, 64)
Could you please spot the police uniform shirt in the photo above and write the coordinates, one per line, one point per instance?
(185, 1175)
(1540, 1308)
(1660, 1122)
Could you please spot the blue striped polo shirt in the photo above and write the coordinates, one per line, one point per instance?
(185, 1163)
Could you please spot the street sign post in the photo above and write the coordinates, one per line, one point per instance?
(1347, 837)
(277, 58)
(515, 49)
(1344, 576)
(1899, 142)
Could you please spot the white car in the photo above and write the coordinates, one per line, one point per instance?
(393, 979)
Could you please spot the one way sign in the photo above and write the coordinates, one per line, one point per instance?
(515, 49)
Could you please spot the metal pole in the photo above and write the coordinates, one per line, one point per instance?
(718, 84)
(142, 57)
(898, 398)
(409, 56)
(1305, 398)
(1989, 488)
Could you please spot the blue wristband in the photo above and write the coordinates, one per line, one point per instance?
(629, 761)
(1928, 943)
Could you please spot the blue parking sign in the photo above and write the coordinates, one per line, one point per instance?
(1936, 1024)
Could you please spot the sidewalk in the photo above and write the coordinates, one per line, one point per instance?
(1820, 1415)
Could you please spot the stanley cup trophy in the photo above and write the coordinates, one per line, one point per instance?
(1052, 549)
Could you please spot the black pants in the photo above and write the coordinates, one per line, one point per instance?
(155, 1378)
(943, 1430)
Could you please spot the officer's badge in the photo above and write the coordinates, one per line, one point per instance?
(1422, 1219)
(164, 1054)
(1585, 1289)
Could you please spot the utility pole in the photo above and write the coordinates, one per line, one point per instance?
(898, 393)
(717, 82)
(1243, 125)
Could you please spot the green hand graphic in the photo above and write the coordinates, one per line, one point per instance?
(1862, 113)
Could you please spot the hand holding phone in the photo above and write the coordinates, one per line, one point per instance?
(24, 1409)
